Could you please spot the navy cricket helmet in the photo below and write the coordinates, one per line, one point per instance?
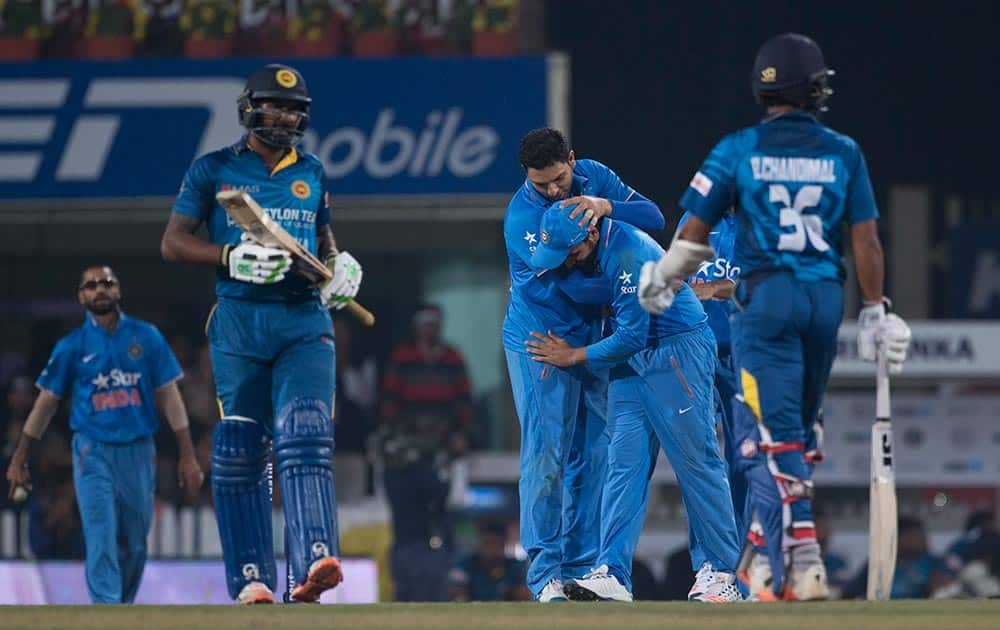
(284, 85)
(789, 70)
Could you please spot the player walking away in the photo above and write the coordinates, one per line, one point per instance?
(661, 393)
(117, 370)
(271, 341)
(562, 411)
(792, 182)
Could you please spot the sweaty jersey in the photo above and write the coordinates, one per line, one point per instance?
(294, 195)
(536, 301)
(793, 182)
(111, 378)
(723, 267)
(621, 253)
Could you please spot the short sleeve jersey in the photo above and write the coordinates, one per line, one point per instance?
(111, 378)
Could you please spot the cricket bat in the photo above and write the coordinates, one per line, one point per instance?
(882, 511)
(248, 214)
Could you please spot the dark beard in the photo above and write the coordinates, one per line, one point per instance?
(104, 309)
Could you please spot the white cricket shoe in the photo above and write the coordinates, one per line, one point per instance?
(806, 580)
(597, 585)
(255, 593)
(714, 587)
(553, 592)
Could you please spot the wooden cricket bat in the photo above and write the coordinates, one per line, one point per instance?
(882, 510)
(248, 214)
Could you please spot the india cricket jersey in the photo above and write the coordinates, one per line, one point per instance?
(536, 301)
(111, 378)
(293, 194)
(793, 182)
(621, 252)
(723, 267)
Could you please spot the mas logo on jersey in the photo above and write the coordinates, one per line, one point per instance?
(301, 189)
(286, 78)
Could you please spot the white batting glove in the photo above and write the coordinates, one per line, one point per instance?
(249, 261)
(894, 338)
(655, 296)
(869, 319)
(346, 280)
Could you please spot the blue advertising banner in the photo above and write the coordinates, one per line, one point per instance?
(975, 272)
(381, 126)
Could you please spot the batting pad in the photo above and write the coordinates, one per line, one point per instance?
(241, 488)
(303, 448)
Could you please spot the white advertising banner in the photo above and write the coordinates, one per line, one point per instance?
(947, 348)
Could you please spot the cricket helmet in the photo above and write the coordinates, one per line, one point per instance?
(284, 84)
(789, 69)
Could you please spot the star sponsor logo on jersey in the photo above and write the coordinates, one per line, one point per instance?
(626, 280)
(720, 268)
(701, 183)
(116, 378)
(301, 189)
(115, 390)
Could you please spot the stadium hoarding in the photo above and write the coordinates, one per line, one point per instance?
(164, 582)
(386, 126)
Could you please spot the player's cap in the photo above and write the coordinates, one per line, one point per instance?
(791, 66)
(278, 81)
(558, 234)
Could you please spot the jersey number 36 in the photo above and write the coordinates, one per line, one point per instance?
(807, 226)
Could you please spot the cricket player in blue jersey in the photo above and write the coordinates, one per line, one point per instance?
(713, 284)
(562, 411)
(117, 371)
(661, 392)
(271, 340)
(793, 182)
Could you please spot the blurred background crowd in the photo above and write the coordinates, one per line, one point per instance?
(121, 29)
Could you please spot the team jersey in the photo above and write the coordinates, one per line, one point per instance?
(621, 253)
(294, 195)
(536, 301)
(722, 267)
(111, 378)
(792, 182)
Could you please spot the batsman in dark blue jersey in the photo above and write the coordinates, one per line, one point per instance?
(793, 183)
(271, 340)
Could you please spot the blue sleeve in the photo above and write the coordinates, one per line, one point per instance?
(585, 289)
(631, 321)
(323, 212)
(680, 224)
(860, 196)
(197, 195)
(57, 376)
(520, 232)
(164, 364)
(627, 204)
(712, 190)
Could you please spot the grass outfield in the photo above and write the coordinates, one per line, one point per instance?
(904, 615)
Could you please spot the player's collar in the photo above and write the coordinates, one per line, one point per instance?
(791, 115)
(122, 320)
(579, 181)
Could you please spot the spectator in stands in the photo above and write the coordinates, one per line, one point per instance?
(21, 19)
(489, 575)
(918, 572)
(357, 388)
(64, 22)
(837, 571)
(163, 29)
(420, 27)
(426, 415)
(208, 19)
(262, 27)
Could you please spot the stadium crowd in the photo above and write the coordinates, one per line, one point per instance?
(121, 29)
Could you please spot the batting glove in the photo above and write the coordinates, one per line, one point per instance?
(346, 280)
(894, 338)
(249, 261)
(869, 319)
(655, 296)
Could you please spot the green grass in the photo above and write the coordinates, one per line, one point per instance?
(902, 615)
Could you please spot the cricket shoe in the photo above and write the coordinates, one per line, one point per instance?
(806, 580)
(714, 587)
(553, 592)
(324, 574)
(255, 593)
(597, 585)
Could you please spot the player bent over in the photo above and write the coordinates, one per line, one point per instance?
(272, 345)
(792, 182)
(117, 370)
(660, 393)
